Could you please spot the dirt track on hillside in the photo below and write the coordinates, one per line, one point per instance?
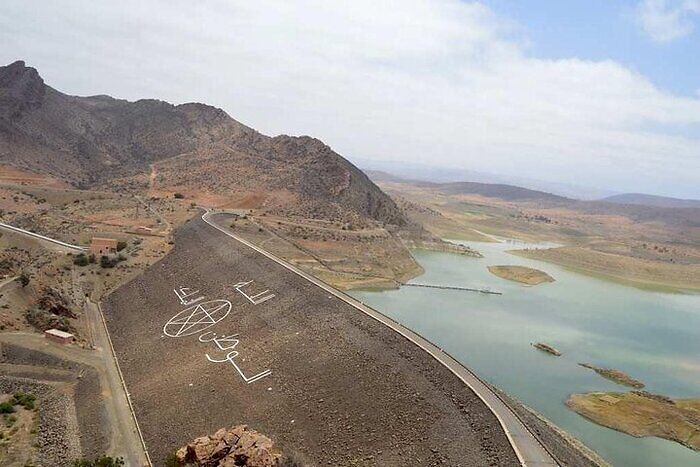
(343, 389)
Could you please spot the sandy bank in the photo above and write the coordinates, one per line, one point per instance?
(632, 271)
(614, 375)
(522, 274)
(639, 413)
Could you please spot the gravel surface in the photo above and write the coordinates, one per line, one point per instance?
(72, 415)
(58, 438)
(344, 389)
(567, 450)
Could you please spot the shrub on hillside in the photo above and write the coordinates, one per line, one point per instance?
(7, 407)
(104, 461)
(107, 262)
(43, 320)
(24, 279)
(24, 399)
(121, 245)
(81, 260)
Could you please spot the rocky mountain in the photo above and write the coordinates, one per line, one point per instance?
(99, 141)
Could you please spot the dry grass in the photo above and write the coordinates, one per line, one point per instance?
(347, 259)
(23, 177)
(640, 414)
(614, 375)
(631, 270)
(521, 274)
(658, 250)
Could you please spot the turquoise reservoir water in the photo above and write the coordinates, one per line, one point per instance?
(652, 336)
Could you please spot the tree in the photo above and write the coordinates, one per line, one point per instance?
(121, 245)
(81, 260)
(178, 195)
(107, 262)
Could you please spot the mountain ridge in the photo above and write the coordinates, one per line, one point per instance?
(503, 191)
(99, 141)
(644, 199)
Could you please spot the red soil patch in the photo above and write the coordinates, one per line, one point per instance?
(23, 177)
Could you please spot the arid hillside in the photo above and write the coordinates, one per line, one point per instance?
(490, 190)
(100, 141)
(651, 200)
(295, 194)
(639, 244)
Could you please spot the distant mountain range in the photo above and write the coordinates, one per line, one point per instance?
(100, 141)
(438, 174)
(677, 213)
(652, 200)
(491, 190)
(511, 192)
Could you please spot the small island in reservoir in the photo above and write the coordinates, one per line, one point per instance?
(521, 274)
(640, 413)
(547, 348)
(615, 375)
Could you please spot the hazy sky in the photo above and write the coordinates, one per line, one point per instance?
(591, 92)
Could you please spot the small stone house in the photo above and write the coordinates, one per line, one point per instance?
(103, 246)
(59, 337)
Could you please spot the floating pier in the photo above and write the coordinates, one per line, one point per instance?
(452, 287)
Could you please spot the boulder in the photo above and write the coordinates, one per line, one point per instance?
(238, 446)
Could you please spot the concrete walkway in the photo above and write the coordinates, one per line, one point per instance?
(66, 247)
(126, 436)
(527, 447)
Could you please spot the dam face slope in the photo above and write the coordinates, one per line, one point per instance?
(216, 334)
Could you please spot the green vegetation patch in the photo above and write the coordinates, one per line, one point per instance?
(26, 400)
(7, 407)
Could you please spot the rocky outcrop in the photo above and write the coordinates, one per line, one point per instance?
(53, 301)
(547, 348)
(99, 141)
(21, 88)
(237, 446)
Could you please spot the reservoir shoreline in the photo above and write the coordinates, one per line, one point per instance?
(493, 335)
